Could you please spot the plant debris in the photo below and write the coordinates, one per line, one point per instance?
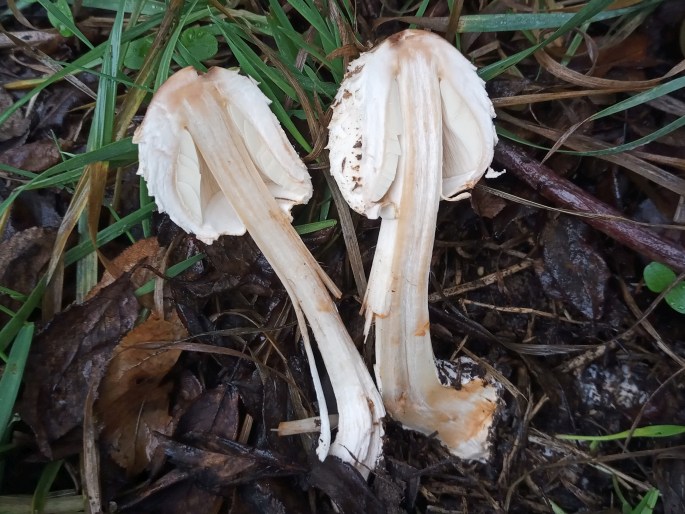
(69, 356)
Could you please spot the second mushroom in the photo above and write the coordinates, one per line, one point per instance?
(412, 124)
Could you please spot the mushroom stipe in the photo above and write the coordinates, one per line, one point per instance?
(411, 125)
(218, 162)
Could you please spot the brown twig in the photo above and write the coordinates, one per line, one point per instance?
(485, 281)
(568, 195)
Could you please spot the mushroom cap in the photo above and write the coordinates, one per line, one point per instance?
(175, 171)
(365, 132)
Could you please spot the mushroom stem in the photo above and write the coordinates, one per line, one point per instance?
(412, 124)
(359, 405)
(405, 363)
(403, 345)
(218, 162)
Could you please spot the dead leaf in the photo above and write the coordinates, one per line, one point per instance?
(188, 389)
(170, 496)
(55, 113)
(145, 251)
(40, 208)
(239, 263)
(134, 401)
(486, 204)
(669, 479)
(573, 270)
(37, 156)
(632, 55)
(345, 487)
(274, 495)
(16, 125)
(215, 412)
(41, 39)
(216, 463)
(68, 355)
(22, 258)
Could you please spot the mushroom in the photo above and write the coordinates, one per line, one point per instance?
(217, 161)
(412, 124)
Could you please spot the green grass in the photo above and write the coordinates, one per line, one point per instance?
(12, 375)
(649, 431)
(658, 278)
(644, 506)
(47, 478)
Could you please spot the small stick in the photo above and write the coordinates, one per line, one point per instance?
(481, 282)
(566, 194)
(521, 310)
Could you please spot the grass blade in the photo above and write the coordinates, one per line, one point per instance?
(96, 174)
(650, 431)
(47, 478)
(590, 10)
(68, 23)
(12, 375)
(172, 272)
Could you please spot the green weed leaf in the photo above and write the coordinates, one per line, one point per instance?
(201, 44)
(136, 52)
(658, 277)
(648, 502)
(63, 6)
(648, 431)
(676, 298)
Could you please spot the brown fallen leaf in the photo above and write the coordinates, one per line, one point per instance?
(133, 399)
(39, 38)
(39, 208)
(16, 125)
(572, 269)
(348, 491)
(145, 251)
(486, 204)
(214, 412)
(239, 263)
(69, 355)
(217, 464)
(37, 156)
(670, 471)
(22, 258)
(632, 55)
(169, 495)
(270, 495)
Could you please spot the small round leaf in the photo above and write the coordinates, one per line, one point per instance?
(658, 277)
(136, 52)
(201, 43)
(63, 7)
(676, 298)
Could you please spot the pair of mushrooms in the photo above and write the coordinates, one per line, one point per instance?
(411, 124)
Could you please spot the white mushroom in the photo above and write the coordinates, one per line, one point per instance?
(217, 161)
(412, 124)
